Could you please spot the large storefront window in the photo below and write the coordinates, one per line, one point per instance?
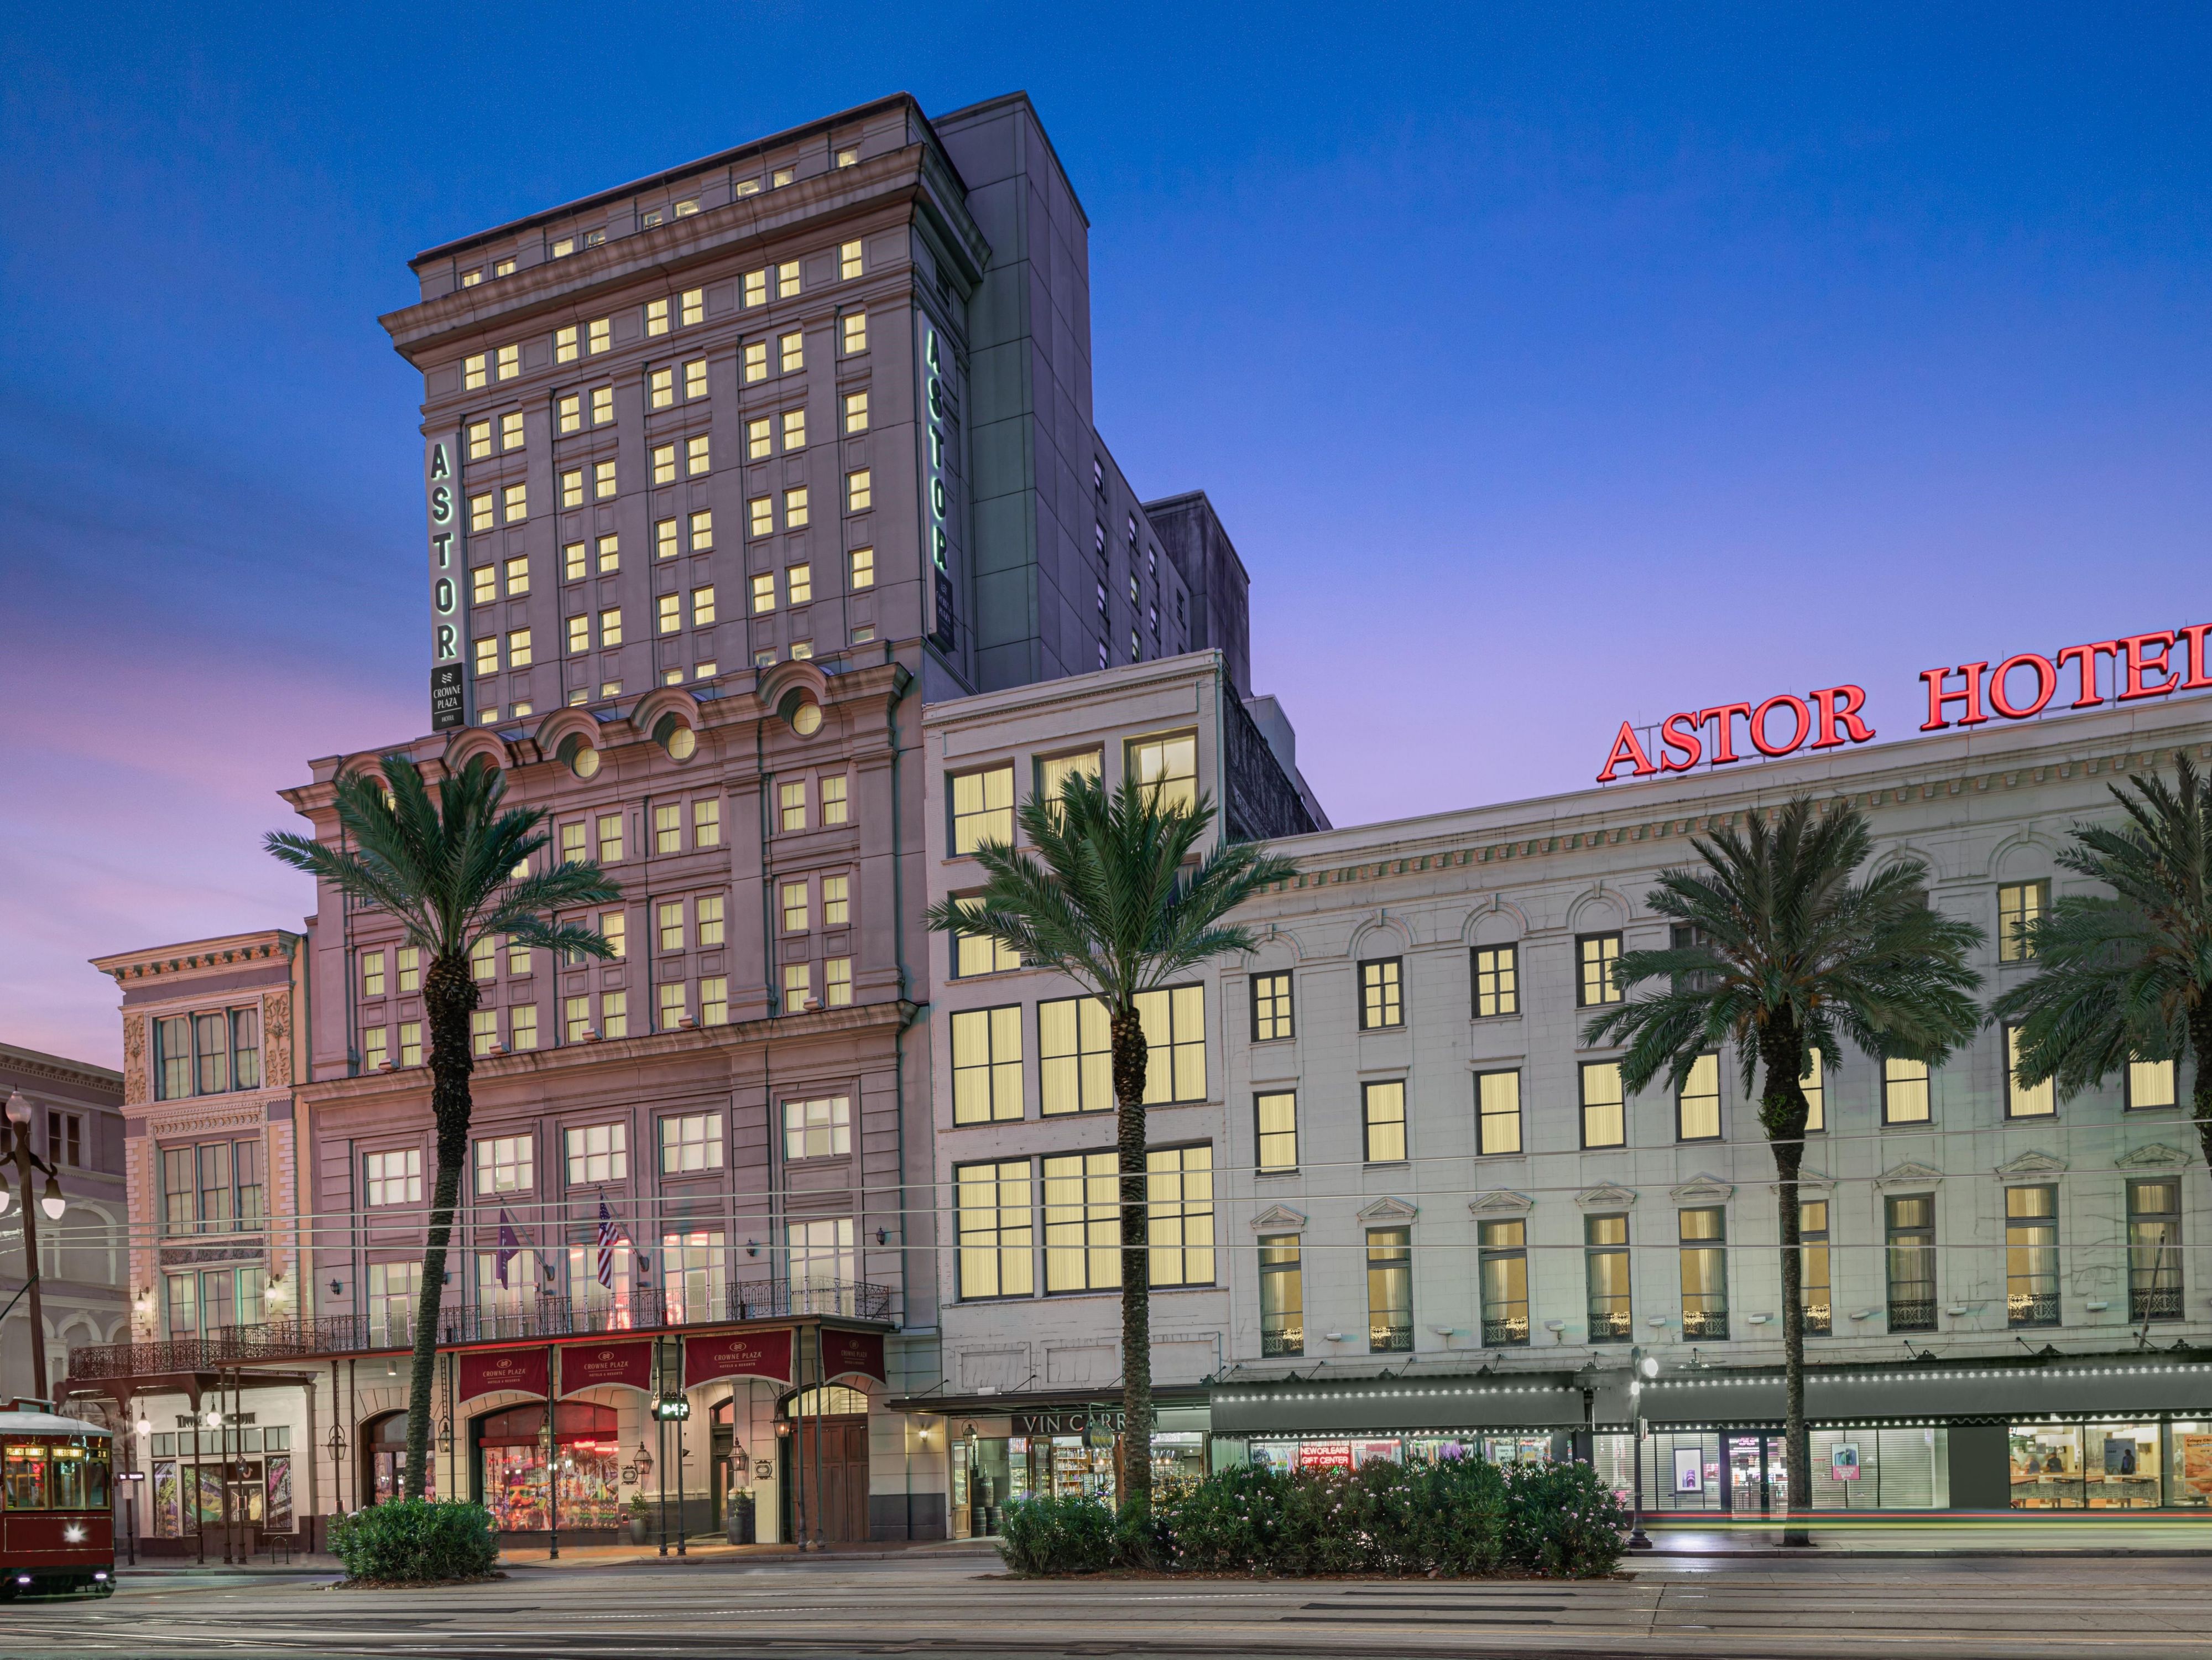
(191, 1470)
(2189, 1471)
(2086, 1466)
(387, 1461)
(587, 1455)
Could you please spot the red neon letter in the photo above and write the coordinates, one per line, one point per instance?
(2046, 682)
(1972, 697)
(1783, 700)
(2194, 637)
(2145, 654)
(1626, 748)
(1841, 705)
(1680, 732)
(2087, 656)
(1724, 735)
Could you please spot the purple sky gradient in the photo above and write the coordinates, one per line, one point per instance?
(1551, 367)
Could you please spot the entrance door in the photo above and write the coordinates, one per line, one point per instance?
(832, 1491)
(1746, 1463)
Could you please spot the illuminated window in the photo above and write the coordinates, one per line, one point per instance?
(798, 986)
(1082, 1222)
(1382, 1119)
(603, 405)
(614, 1014)
(1497, 981)
(409, 961)
(571, 409)
(597, 1153)
(714, 1001)
(760, 439)
(610, 839)
(579, 634)
(1074, 1056)
(1698, 1103)
(516, 502)
(411, 1043)
(987, 1064)
(1816, 1103)
(567, 345)
(1179, 1197)
(791, 804)
(1271, 1008)
(510, 362)
(756, 356)
(603, 480)
(761, 515)
(1382, 1001)
(664, 540)
(848, 261)
(660, 388)
(2025, 1100)
(1166, 768)
(860, 490)
(855, 326)
(598, 334)
(480, 512)
(833, 799)
(675, 1008)
(695, 378)
(862, 567)
(1174, 1023)
(488, 655)
(576, 1014)
(1497, 1112)
(707, 823)
(664, 463)
(702, 530)
(792, 352)
(796, 910)
(1605, 1106)
(1904, 1092)
(995, 1230)
(1596, 953)
(393, 1179)
(2020, 905)
(472, 372)
(856, 411)
(794, 507)
(1275, 1117)
(707, 909)
(837, 981)
(479, 440)
(608, 550)
(1702, 1242)
(703, 607)
(694, 309)
(484, 585)
(692, 1141)
(794, 430)
(787, 279)
(372, 975)
(698, 456)
(982, 808)
(764, 592)
(2150, 1084)
(510, 430)
(656, 317)
(668, 611)
(610, 629)
(484, 1031)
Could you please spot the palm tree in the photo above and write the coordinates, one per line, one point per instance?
(452, 872)
(1783, 954)
(2127, 977)
(1110, 902)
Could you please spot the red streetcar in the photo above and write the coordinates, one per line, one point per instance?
(57, 1518)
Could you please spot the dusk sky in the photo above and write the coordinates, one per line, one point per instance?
(1550, 366)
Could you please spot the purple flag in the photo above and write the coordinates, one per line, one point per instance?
(510, 1247)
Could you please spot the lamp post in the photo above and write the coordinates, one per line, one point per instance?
(1647, 1367)
(17, 1150)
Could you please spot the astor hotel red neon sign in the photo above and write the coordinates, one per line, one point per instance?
(2143, 665)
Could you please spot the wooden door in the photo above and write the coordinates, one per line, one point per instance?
(834, 1488)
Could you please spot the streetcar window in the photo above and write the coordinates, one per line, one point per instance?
(69, 1478)
(23, 1477)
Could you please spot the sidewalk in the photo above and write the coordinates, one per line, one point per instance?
(1892, 1536)
(712, 1549)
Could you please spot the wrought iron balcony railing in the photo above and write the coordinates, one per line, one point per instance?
(1610, 1325)
(2154, 1303)
(1912, 1314)
(1709, 1325)
(1275, 1342)
(1389, 1337)
(1510, 1332)
(2032, 1308)
(645, 1310)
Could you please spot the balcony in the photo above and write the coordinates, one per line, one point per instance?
(1387, 1337)
(1912, 1314)
(1509, 1333)
(1608, 1325)
(648, 1310)
(2154, 1303)
(2032, 1308)
(1708, 1325)
(1278, 1341)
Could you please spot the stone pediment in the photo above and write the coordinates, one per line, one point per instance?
(2034, 1162)
(1910, 1174)
(1280, 1219)
(1501, 1202)
(1606, 1195)
(2157, 1156)
(1390, 1210)
(1809, 1178)
(1703, 1189)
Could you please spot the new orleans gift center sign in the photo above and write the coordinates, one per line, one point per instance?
(2024, 685)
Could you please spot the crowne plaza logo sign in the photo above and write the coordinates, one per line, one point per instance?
(2135, 667)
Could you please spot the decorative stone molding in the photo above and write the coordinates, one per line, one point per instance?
(1809, 1178)
(1280, 1218)
(277, 1039)
(472, 745)
(200, 1123)
(1501, 1201)
(2157, 1156)
(2031, 1163)
(136, 1087)
(1703, 1189)
(1606, 1195)
(1910, 1174)
(1390, 1210)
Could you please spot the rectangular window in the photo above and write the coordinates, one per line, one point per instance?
(1074, 1056)
(1275, 1117)
(707, 823)
(614, 1014)
(484, 585)
(2020, 905)
(692, 308)
(856, 412)
(522, 1027)
(1605, 1112)
(798, 589)
(65, 1138)
(374, 1049)
(674, 1007)
(660, 388)
(245, 1049)
(695, 378)
(791, 804)
(1813, 1280)
(668, 611)
(472, 372)
(611, 838)
(664, 540)
(215, 1215)
(760, 513)
(993, 1230)
(571, 415)
(714, 1001)
(1605, 1268)
(517, 573)
(576, 1019)
(1082, 1222)
(860, 567)
(1912, 1262)
(598, 334)
(709, 907)
(568, 343)
(2154, 1251)
(855, 326)
(1504, 1271)
(1271, 1008)
(690, 1142)
(820, 1128)
(794, 430)
(603, 405)
(668, 828)
(1596, 953)
(792, 352)
(1698, 1103)
(1497, 981)
(510, 430)
(795, 515)
(833, 799)
(797, 985)
(1282, 1297)
(1381, 999)
(980, 953)
(698, 454)
(786, 280)
(484, 1031)
(391, 1288)
(1389, 1291)
(763, 593)
(987, 1064)
(669, 925)
(664, 463)
(1904, 1092)
(211, 1040)
(860, 490)
(837, 901)
(180, 1190)
(837, 981)
(602, 489)
(2150, 1084)
(597, 1153)
(411, 1043)
(756, 356)
(1704, 1250)
(656, 317)
(515, 503)
(848, 261)
(1179, 1203)
(517, 648)
(2024, 1100)
(579, 634)
(488, 656)
(702, 530)
(2031, 1256)
(1497, 1112)
(1166, 768)
(823, 1262)
(173, 1038)
(694, 1275)
(1383, 1121)
(503, 1165)
(1816, 1099)
(760, 439)
(795, 907)
(510, 362)
(387, 1178)
(982, 808)
(481, 518)
(1174, 1023)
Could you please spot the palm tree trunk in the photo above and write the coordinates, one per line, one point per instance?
(2200, 1044)
(1783, 1112)
(449, 997)
(1129, 1055)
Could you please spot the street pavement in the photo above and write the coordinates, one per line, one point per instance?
(956, 1604)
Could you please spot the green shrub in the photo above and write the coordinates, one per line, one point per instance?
(415, 1540)
(1562, 1519)
(1060, 1535)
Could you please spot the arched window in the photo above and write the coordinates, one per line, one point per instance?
(834, 1400)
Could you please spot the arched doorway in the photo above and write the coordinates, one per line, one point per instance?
(822, 1439)
(513, 1450)
(384, 1460)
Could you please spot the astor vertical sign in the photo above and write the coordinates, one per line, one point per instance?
(934, 507)
(448, 698)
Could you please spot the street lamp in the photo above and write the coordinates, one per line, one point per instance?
(15, 1148)
(1647, 1367)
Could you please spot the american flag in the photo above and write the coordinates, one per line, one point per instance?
(607, 1237)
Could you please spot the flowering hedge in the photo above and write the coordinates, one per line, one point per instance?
(1459, 1517)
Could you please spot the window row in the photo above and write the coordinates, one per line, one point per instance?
(213, 1187)
(1074, 1040)
(207, 1053)
(1072, 1201)
(981, 802)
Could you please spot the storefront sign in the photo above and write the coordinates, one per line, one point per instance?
(448, 698)
(935, 501)
(595, 1366)
(1325, 1456)
(844, 1352)
(1689, 1469)
(2021, 687)
(737, 1354)
(484, 1371)
(1844, 1462)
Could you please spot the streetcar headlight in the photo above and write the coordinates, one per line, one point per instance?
(99, 1575)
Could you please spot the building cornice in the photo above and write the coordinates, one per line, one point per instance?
(57, 1069)
(201, 956)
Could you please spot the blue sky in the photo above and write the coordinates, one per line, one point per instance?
(1551, 366)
